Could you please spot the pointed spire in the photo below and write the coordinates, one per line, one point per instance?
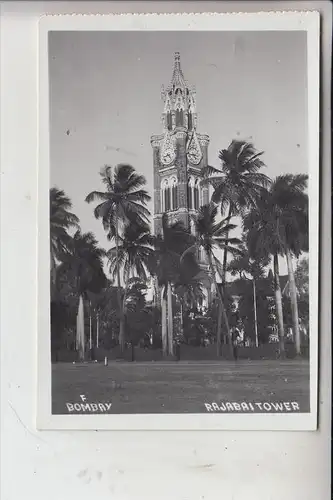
(178, 79)
(179, 100)
(177, 69)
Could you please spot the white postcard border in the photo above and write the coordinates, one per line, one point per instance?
(263, 21)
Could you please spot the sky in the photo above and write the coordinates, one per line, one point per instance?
(105, 101)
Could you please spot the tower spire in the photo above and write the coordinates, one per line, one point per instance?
(180, 153)
(178, 80)
(177, 60)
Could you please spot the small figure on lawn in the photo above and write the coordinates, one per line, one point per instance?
(177, 349)
(235, 335)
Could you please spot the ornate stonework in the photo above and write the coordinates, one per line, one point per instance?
(203, 139)
(167, 149)
(180, 153)
(155, 140)
(194, 153)
(181, 134)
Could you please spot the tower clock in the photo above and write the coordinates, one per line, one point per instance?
(180, 153)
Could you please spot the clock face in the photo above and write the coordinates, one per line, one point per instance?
(167, 157)
(167, 153)
(194, 157)
(194, 153)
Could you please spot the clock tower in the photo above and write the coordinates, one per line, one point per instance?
(179, 153)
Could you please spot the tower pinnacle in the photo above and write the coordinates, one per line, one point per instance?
(178, 80)
(179, 101)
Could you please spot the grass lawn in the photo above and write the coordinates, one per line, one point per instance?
(183, 387)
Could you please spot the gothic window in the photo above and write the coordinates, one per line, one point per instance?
(169, 194)
(174, 193)
(201, 197)
(189, 195)
(190, 200)
(179, 118)
(190, 121)
(167, 199)
(164, 189)
(169, 120)
(162, 197)
(196, 195)
(175, 197)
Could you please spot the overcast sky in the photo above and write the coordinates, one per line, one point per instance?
(105, 101)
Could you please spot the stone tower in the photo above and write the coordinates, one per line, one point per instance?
(179, 153)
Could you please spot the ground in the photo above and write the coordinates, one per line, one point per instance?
(182, 387)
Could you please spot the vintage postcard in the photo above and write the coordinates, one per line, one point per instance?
(178, 221)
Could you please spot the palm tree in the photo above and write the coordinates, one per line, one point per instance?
(137, 314)
(249, 269)
(123, 201)
(211, 236)
(260, 228)
(95, 308)
(188, 286)
(302, 276)
(291, 206)
(302, 285)
(237, 184)
(135, 252)
(169, 245)
(279, 226)
(108, 313)
(82, 265)
(61, 221)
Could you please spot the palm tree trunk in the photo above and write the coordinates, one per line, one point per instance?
(170, 321)
(278, 305)
(123, 324)
(255, 311)
(53, 275)
(80, 337)
(181, 317)
(122, 334)
(90, 327)
(97, 330)
(219, 330)
(164, 323)
(225, 254)
(222, 313)
(120, 305)
(294, 304)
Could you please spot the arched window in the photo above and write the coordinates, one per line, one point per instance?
(164, 188)
(190, 200)
(169, 194)
(190, 121)
(174, 193)
(169, 120)
(175, 197)
(196, 195)
(167, 199)
(179, 118)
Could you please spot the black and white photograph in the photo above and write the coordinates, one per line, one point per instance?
(178, 252)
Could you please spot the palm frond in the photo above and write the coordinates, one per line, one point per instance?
(96, 196)
(209, 170)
